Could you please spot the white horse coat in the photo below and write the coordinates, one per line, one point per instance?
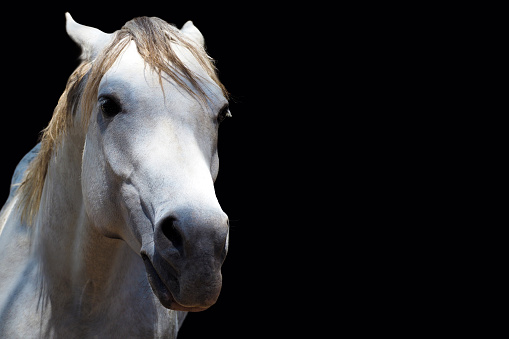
(123, 234)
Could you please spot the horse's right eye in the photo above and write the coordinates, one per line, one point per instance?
(109, 106)
(224, 113)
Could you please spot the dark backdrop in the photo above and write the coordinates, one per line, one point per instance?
(248, 43)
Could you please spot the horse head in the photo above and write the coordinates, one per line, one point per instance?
(152, 105)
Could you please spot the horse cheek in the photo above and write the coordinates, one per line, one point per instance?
(97, 190)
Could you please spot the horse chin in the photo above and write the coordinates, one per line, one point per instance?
(162, 292)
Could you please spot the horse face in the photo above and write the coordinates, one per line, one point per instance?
(149, 164)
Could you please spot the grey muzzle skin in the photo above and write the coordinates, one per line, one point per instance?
(184, 262)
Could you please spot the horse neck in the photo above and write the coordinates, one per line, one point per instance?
(73, 255)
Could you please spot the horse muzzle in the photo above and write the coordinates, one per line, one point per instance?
(184, 261)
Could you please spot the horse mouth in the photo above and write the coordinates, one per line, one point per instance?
(162, 291)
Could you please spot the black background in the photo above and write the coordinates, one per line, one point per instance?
(316, 170)
(250, 42)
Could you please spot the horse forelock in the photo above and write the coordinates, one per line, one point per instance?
(153, 38)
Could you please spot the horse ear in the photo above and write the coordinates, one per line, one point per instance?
(91, 40)
(193, 33)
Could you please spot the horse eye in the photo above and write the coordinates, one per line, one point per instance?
(223, 114)
(109, 106)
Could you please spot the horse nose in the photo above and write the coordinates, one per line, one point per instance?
(193, 233)
(172, 233)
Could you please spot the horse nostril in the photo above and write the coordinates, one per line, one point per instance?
(171, 232)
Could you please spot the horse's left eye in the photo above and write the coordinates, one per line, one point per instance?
(109, 106)
(223, 114)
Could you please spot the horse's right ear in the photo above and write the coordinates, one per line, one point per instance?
(190, 30)
(91, 40)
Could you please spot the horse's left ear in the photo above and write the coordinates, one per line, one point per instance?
(193, 33)
(91, 40)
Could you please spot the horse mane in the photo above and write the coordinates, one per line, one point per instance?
(153, 38)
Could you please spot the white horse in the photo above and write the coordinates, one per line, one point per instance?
(112, 227)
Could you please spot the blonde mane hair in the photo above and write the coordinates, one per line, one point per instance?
(153, 38)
